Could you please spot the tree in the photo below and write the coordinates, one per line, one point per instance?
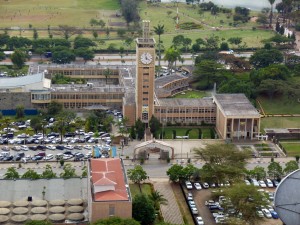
(246, 199)
(154, 124)
(271, 12)
(20, 111)
(265, 57)
(116, 221)
(275, 170)
(18, 59)
(159, 30)
(11, 173)
(129, 10)
(157, 199)
(35, 34)
(48, 173)
(54, 108)
(172, 55)
(235, 40)
(137, 174)
(291, 166)
(81, 42)
(223, 161)
(68, 31)
(63, 56)
(207, 70)
(258, 173)
(69, 171)
(143, 210)
(85, 53)
(31, 174)
(140, 129)
(175, 172)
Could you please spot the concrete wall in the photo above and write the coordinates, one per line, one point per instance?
(100, 210)
(11, 100)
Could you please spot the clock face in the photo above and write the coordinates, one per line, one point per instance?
(146, 58)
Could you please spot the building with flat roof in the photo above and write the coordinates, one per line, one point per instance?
(108, 190)
(236, 117)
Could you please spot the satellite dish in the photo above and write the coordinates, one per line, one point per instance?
(287, 199)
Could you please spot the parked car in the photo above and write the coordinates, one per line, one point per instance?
(188, 185)
(262, 184)
(269, 183)
(266, 213)
(199, 220)
(197, 186)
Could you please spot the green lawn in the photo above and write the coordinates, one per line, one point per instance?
(280, 122)
(280, 105)
(193, 133)
(191, 94)
(292, 149)
(40, 13)
(135, 190)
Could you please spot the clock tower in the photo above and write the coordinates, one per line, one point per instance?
(145, 75)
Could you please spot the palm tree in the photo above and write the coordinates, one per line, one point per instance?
(158, 199)
(271, 12)
(172, 55)
(159, 30)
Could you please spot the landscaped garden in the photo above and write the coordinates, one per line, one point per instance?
(191, 94)
(192, 133)
(291, 147)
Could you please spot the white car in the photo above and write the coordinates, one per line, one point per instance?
(197, 186)
(190, 197)
(269, 183)
(199, 220)
(49, 157)
(247, 182)
(262, 184)
(188, 185)
(205, 185)
(194, 210)
(267, 213)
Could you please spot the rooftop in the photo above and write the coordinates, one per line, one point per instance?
(12, 82)
(160, 82)
(188, 102)
(108, 174)
(235, 105)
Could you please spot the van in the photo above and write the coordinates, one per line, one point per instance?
(43, 154)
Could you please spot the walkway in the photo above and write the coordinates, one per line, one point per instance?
(170, 212)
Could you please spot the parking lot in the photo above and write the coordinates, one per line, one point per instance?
(201, 204)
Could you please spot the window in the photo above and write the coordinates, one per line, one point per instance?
(111, 210)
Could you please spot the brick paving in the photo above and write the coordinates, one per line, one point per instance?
(170, 212)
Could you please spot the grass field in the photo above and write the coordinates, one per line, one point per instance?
(42, 13)
(135, 190)
(292, 149)
(280, 122)
(191, 94)
(193, 133)
(280, 105)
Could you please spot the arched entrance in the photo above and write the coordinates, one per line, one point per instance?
(153, 146)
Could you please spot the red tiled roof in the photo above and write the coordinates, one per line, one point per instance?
(108, 172)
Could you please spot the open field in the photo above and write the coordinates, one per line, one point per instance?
(41, 13)
(280, 122)
(280, 105)
(191, 94)
(292, 149)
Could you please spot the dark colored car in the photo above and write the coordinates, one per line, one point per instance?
(60, 147)
(37, 157)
